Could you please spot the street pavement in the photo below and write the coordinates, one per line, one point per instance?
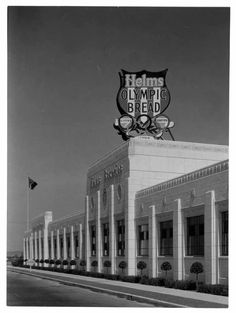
(158, 296)
(25, 290)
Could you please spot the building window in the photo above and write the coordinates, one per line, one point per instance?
(38, 247)
(195, 235)
(55, 245)
(93, 240)
(166, 238)
(42, 248)
(49, 249)
(121, 238)
(119, 192)
(76, 246)
(106, 239)
(92, 203)
(224, 242)
(68, 247)
(143, 239)
(61, 247)
(104, 197)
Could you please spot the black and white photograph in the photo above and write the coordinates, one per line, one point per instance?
(117, 156)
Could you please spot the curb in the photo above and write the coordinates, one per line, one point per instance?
(128, 296)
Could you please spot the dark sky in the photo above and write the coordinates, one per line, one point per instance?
(62, 83)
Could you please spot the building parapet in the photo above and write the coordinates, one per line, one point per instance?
(146, 141)
(197, 174)
(66, 218)
(109, 155)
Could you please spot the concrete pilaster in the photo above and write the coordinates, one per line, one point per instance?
(87, 235)
(45, 243)
(58, 245)
(40, 245)
(31, 247)
(130, 231)
(52, 246)
(112, 232)
(24, 250)
(72, 244)
(152, 242)
(98, 233)
(80, 240)
(64, 244)
(178, 241)
(35, 245)
(27, 248)
(210, 239)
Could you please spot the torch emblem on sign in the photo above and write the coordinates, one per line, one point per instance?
(142, 98)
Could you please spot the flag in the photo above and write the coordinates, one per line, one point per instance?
(32, 183)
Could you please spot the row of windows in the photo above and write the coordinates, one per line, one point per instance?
(195, 237)
(105, 230)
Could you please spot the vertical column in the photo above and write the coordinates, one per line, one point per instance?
(58, 245)
(24, 250)
(87, 235)
(35, 246)
(52, 246)
(64, 244)
(72, 244)
(152, 242)
(210, 242)
(98, 233)
(45, 243)
(40, 246)
(112, 232)
(178, 246)
(31, 246)
(27, 248)
(80, 240)
(130, 231)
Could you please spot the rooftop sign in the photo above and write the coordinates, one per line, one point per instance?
(142, 98)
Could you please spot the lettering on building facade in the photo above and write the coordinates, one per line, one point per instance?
(108, 174)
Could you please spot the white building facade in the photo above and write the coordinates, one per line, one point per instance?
(147, 200)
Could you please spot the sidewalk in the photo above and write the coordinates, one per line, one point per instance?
(144, 293)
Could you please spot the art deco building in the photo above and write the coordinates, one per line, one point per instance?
(147, 200)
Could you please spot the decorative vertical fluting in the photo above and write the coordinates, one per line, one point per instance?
(178, 241)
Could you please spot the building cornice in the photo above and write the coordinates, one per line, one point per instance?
(146, 141)
(186, 178)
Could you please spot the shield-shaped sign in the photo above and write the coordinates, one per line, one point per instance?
(143, 93)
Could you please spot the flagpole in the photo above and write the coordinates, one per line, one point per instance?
(27, 186)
